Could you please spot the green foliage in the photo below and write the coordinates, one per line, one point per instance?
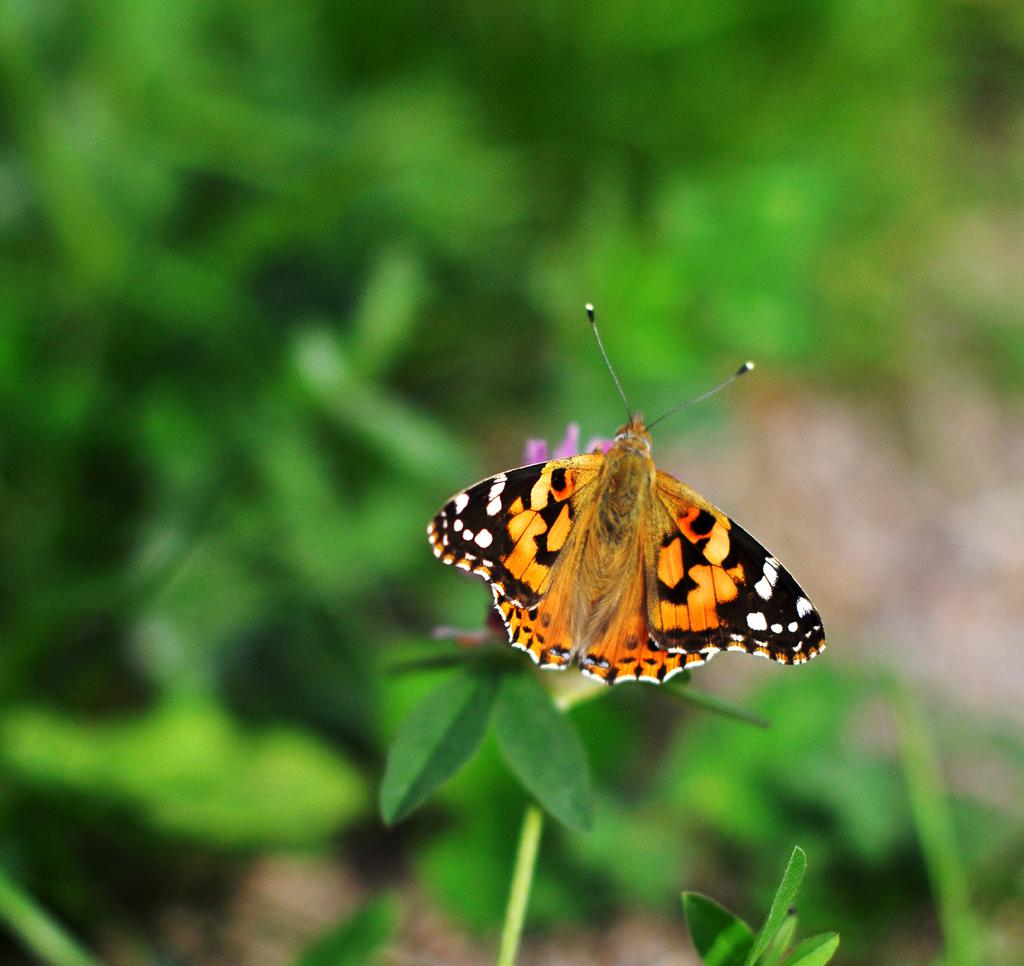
(543, 750)
(782, 942)
(465, 866)
(723, 939)
(803, 777)
(187, 770)
(279, 278)
(785, 899)
(633, 850)
(539, 745)
(716, 704)
(538, 742)
(720, 938)
(435, 740)
(356, 941)
(37, 930)
(934, 828)
(803, 758)
(815, 951)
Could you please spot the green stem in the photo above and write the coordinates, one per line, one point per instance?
(38, 931)
(522, 880)
(717, 705)
(935, 831)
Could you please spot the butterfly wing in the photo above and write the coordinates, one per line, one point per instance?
(606, 628)
(713, 587)
(513, 529)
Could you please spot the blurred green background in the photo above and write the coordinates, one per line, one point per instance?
(276, 279)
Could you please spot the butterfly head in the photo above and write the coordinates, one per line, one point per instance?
(634, 435)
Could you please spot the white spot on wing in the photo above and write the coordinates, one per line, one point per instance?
(803, 607)
(484, 538)
(756, 621)
(763, 588)
(467, 534)
(457, 525)
(792, 626)
(776, 628)
(461, 502)
(496, 489)
(494, 507)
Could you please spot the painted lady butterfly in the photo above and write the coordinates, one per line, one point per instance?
(604, 559)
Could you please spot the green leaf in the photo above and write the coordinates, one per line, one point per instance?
(716, 705)
(357, 940)
(437, 737)
(935, 830)
(780, 944)
(785, 896)
(188, 769)
(543, 750)
(815, 951)
(720, 938)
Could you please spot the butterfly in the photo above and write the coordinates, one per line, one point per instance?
(604, 560)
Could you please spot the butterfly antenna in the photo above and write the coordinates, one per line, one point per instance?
(607, 361)
(745, 368)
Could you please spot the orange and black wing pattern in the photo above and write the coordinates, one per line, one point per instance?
(542, 631)
(712, 587)
(512, 529)
(622, 649)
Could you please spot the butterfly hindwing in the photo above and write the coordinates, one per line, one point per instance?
(649, 662)
(713, 587)
(511, 528)
(541, 631)
(621, 647)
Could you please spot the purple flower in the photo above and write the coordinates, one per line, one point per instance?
(536, 450)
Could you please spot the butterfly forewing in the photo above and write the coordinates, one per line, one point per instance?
(512, 529)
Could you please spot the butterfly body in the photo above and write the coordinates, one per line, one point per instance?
(605, 561)
(627, 484)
